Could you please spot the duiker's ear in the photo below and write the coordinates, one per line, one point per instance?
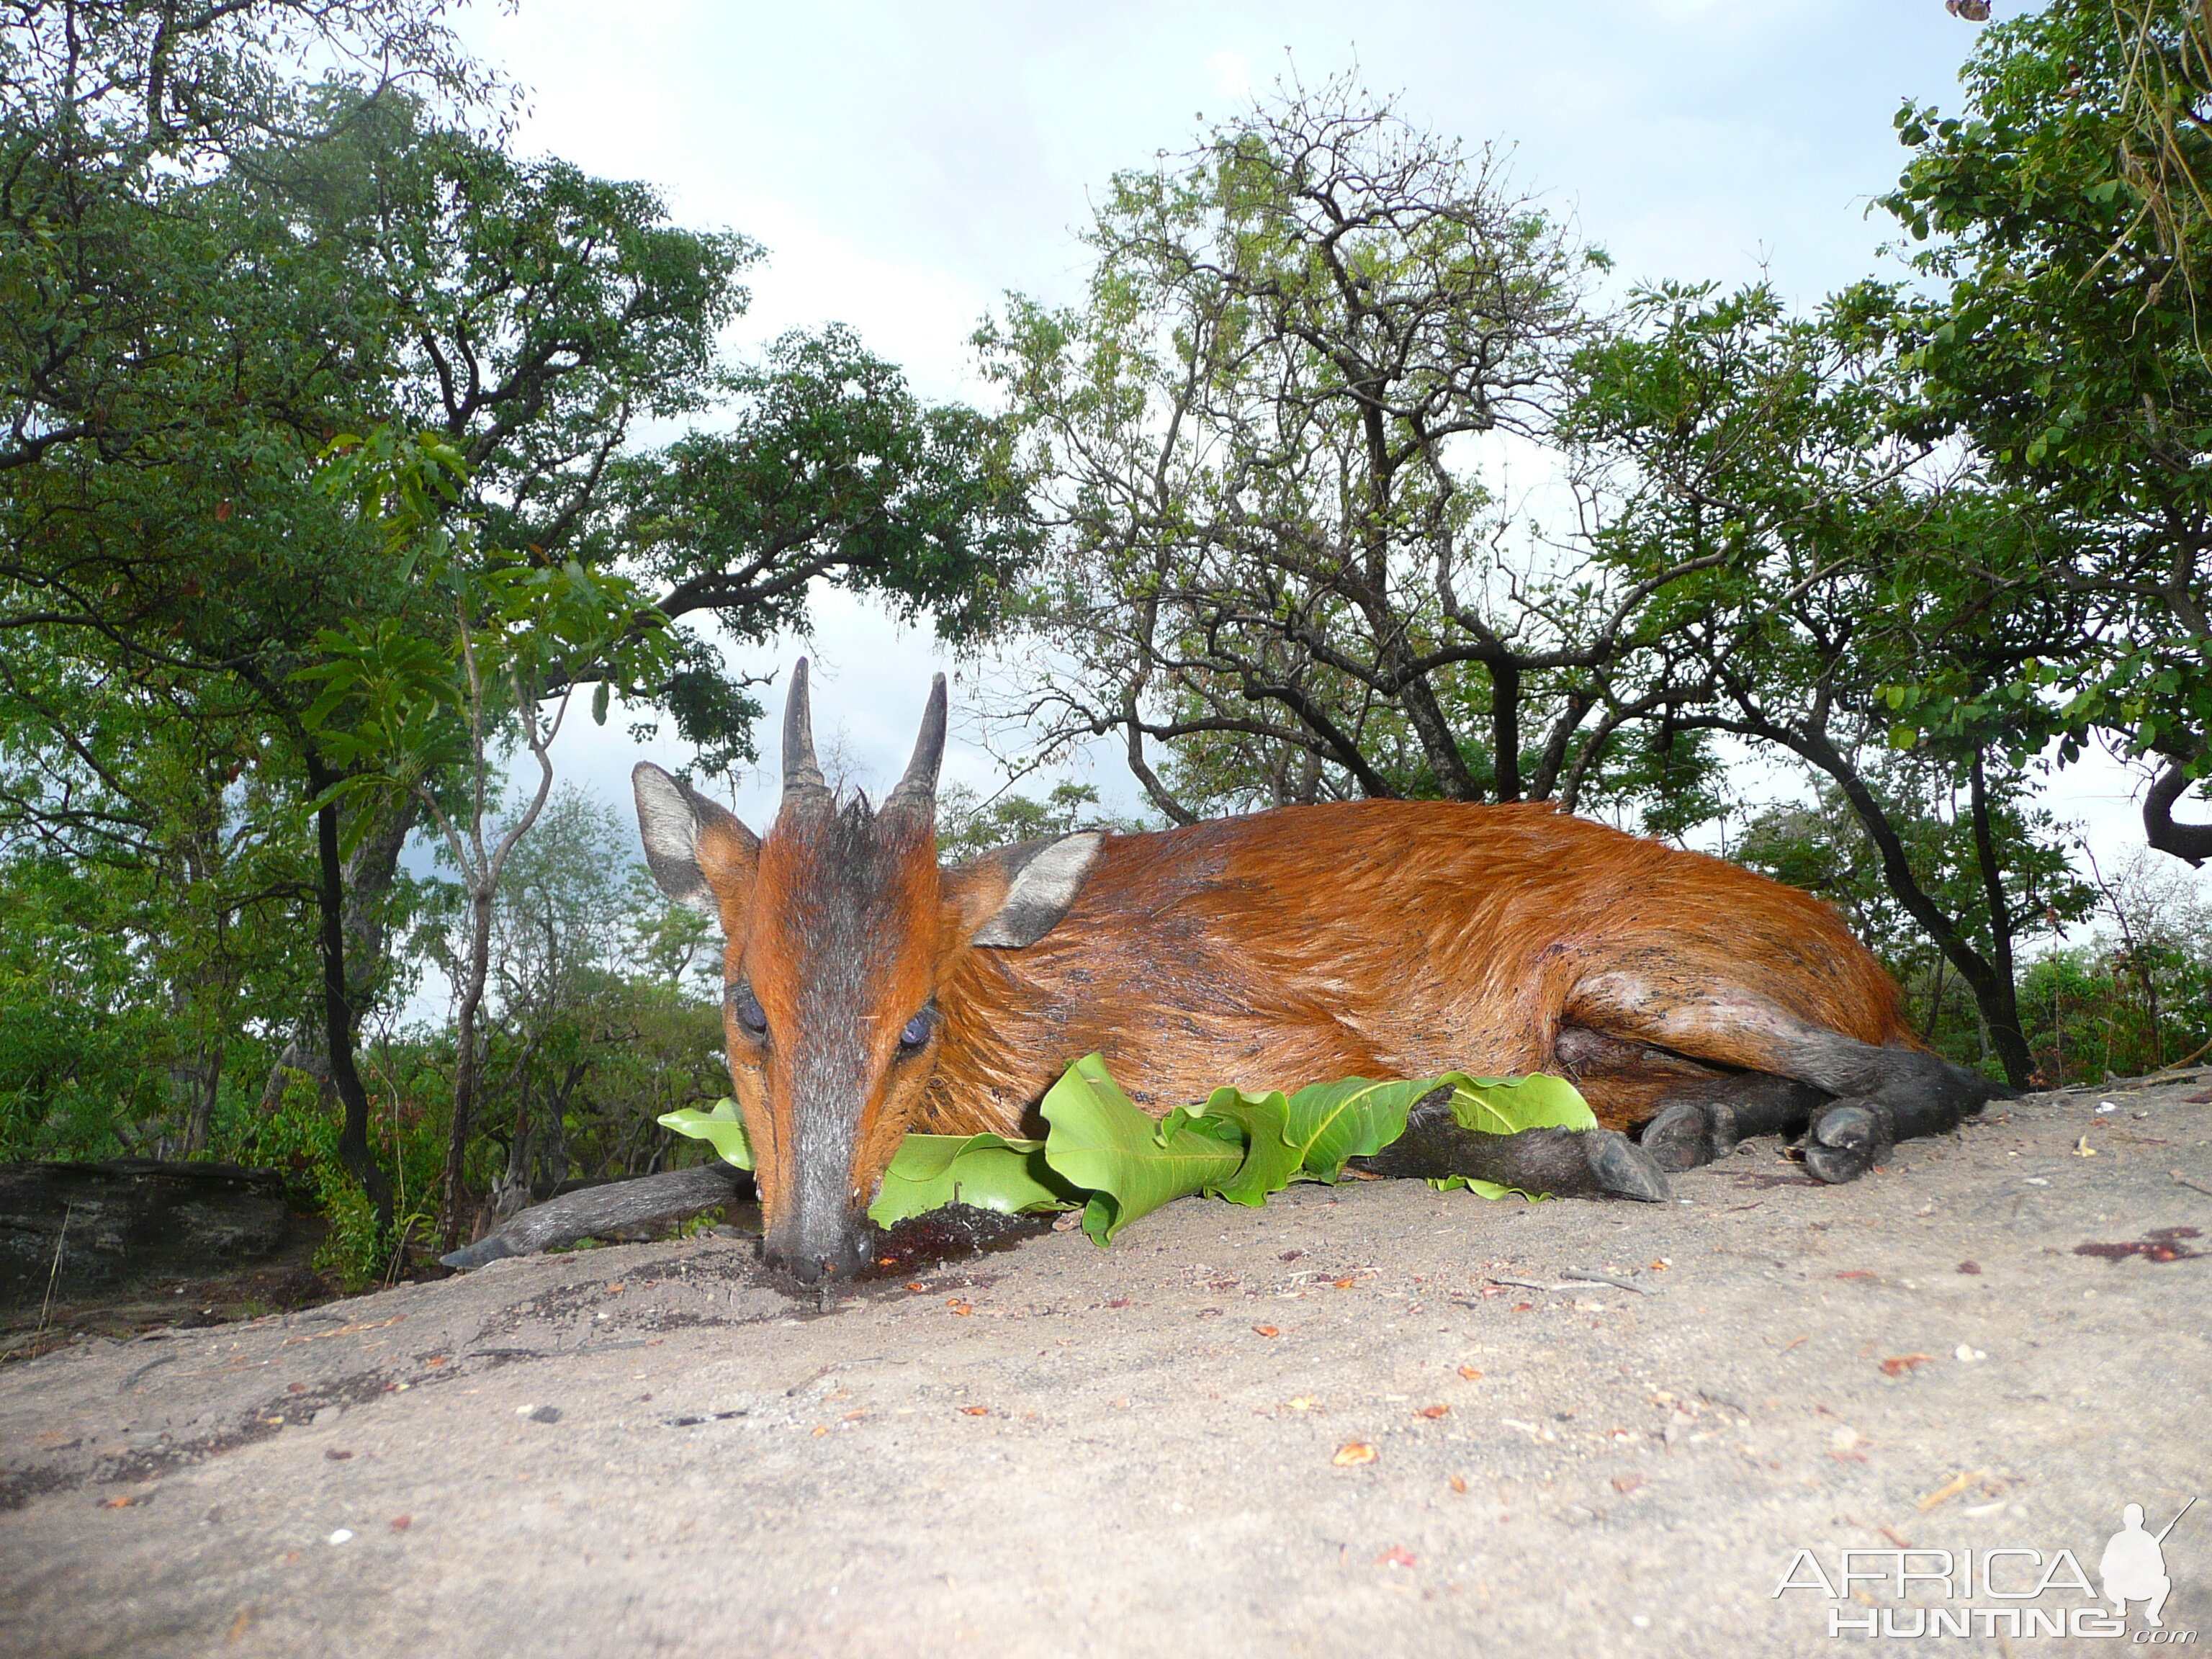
(1015, 896)
(697, 850)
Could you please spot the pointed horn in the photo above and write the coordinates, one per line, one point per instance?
(802, 776)
(917, 790)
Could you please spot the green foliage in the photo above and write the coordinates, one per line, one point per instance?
(827, 470)
(1130, 1164)
(1106, 1156)
(967, 825)
(2061, 212)
(1276, 555)
(298, 1133)
(81, 1051)
(988, 1171)
(722, 1128)
(2137, 995)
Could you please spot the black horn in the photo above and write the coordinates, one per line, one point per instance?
(802, 775)
(917, 791)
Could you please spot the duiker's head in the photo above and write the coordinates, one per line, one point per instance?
(840, 930)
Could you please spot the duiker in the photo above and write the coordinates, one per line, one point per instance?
(871, 991)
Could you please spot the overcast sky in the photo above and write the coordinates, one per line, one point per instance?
(906, 165)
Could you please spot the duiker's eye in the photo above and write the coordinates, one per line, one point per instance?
(918, 1029)
(752, 1017)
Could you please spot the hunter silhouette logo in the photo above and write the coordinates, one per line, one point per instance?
(1985, 1591)
(2134, 1564)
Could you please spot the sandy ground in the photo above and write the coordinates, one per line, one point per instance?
(1058, 1449)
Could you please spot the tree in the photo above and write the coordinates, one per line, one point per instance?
(215, 258)
(1264, 437)
(175, 353)
(2064, 218)
(1773, 447)
(601, 1026)
(830, 472)
(968, 824)
(404, 711)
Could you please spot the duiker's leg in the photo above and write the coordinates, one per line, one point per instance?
(1895, 1094)
(1878, 1095)
(1684, 1113)
(1700, 1122)
(1568, 1162)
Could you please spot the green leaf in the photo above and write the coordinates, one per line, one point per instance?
(1507, 1105)
(1118, 1162)
(722, 1127)
(1330, 1122)
(987, 1170)
(1272, 1160)
(1130, 1165)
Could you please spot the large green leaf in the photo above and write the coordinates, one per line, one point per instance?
(1330, 1123)
(722, 1127)
(1272, 1159)
(1108, 1155)
(927, 1173)
(1130, 1164)
(988, 1171)
(1507, 1105)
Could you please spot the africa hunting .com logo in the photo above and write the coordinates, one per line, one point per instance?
(1955, 1586)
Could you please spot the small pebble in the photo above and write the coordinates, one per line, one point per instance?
(343, 1535)
(546, 1414)
(327, 1414)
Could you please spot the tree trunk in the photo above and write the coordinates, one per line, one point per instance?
(2001, 1009)
(1993, 994)
(1934, 1002)
(368, 878)
(207, 1084)
(2191, 842)
(1505, 726)
(359, 1158)
(464, 1063)
(298, 1056)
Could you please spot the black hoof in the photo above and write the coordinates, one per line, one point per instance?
(1844, 1143)
(1687, 1135)
(1625, 1169)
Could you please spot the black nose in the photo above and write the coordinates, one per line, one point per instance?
(842, 1261)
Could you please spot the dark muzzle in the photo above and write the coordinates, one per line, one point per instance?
(811, 1253)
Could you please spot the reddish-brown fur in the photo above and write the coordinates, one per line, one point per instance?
(1398, 938)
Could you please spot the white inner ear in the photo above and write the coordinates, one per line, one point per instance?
(671, 832)
(1043, 892)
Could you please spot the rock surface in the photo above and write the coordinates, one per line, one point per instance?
(95, 1228)
(650, 1449)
